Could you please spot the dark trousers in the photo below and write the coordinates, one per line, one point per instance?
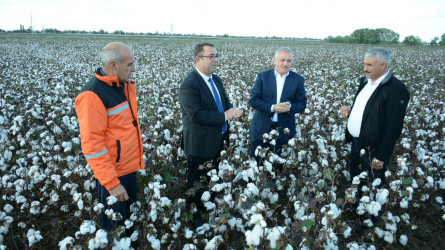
(363, 163)
(274, 148)
(199, 175)
(129, 182)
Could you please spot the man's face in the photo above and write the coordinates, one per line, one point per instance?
(374, 69)
(126, 67)
(283, 62)
(205, 63)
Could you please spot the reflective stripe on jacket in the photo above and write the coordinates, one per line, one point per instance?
(109, 128)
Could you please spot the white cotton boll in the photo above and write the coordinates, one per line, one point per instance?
(8, 208)
(362, 152)
(228, 199)
(124, 243)
(403, 239)
(353, 246)
(87, 227)
(111, 200)
(209, 205)
(368, 223)
(35, 207)
(253, 237)
(382, 196)
(205, 196)
(379, 232)
(33, 236)
(273, 198)
(347, 232)
(360, 209)
(155, 243)
(442, 184)
(376, 182)
(68, 241)
(98, 207)
(214, 243)
(373, 208)
(165, 202)
(439, 200)
(356, 180)
(7, 155)
(189, 247)
(128, 224)
(188, 233)
(273, 235)
(430, 182)
(404, 203)
(388, 237)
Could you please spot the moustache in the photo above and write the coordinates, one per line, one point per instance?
(367, 72)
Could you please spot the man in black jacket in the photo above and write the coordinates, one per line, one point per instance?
(206, 110)
(376, 117)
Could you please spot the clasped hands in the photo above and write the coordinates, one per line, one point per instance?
(281, 107)
(233, 114)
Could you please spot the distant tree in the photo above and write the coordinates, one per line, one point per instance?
(119, 32)
(387, 36)
(434, 41)
(442, 40)
(365, 36)
(412, 40)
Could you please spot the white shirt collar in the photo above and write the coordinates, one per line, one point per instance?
(206, 78)
(278, 74)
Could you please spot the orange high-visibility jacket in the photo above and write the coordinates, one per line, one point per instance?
(109, 128)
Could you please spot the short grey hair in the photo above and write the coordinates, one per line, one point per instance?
(285, 49)
(382, 55)
(111, 53)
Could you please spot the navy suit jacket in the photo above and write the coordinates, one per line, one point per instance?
(264, 95)
(201, 121)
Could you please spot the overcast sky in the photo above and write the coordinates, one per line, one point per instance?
(311, 19)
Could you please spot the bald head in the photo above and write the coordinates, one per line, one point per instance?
(118, 60)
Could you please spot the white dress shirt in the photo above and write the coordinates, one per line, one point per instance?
(356, 116)
(280, 84)
(206, 79)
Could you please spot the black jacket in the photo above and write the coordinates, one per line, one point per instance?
(201, 120)
(383, 117)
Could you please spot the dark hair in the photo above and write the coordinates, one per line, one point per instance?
(199, 48)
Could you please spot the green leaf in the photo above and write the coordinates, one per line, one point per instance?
(407, 182)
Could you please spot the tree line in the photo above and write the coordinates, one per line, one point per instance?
(359, 36)
(382, 36)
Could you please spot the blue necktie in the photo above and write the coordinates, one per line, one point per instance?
(218, 102)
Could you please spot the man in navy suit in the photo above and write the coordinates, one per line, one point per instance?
(206, 111)
(278, 94)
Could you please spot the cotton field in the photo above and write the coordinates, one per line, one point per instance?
(48, 195)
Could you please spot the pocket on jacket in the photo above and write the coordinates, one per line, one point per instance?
(118, 143)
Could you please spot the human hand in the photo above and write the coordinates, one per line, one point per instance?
(233, 114)
(376, 164)
(345, 111)
(119, 192)
(281, 107)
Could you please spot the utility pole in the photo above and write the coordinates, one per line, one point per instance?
(32, 28)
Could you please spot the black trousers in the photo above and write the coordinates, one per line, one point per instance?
(363, 163)
(129, 182)
(197, 174)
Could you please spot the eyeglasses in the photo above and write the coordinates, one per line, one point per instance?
(211, 57)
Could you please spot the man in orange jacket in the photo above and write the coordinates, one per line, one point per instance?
(109, 130)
